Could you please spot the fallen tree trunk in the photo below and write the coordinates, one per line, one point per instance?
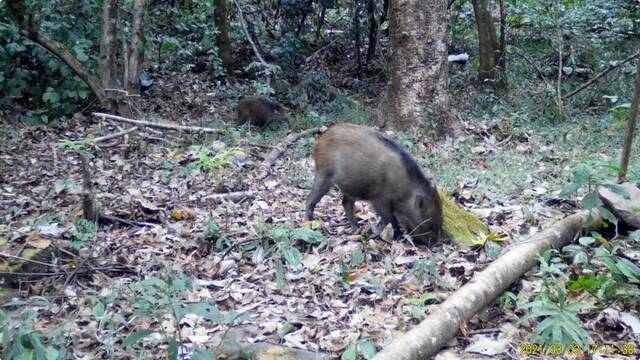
(438, 328)
(290, 139)
(158, 125)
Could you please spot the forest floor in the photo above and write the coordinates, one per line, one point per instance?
(346, 287)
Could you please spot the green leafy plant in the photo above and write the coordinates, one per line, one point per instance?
(206, 163)
(560, 323)
(589, 176)
(82, 232)
(284, 250)
(358, 345)
(506, 299)
(79, 147)
(418, 305)
(21, 339)
(156, 298)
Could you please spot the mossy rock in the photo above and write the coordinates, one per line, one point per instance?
(460, 225)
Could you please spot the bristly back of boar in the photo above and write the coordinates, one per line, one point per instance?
(365, 164)
(259, 111)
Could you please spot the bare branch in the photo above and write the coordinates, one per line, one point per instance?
(158, 125)
(603, 73)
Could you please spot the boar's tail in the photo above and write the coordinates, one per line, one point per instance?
(409, 163)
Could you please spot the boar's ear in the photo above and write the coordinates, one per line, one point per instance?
(419, 202)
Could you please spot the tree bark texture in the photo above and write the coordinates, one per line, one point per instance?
(633, 116)
(107, 59)
(220, 13)
(107, 56)
(417, 91)
(373, 29)
(438, 328)
(502, 55)
(29, 29)
(356, 32)
(135, 57)
(487, 42)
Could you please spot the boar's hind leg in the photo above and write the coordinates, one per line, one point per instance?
(348, 203)
(321, 185)
(385, 211)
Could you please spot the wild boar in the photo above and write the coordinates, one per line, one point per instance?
(260, 111)
(365, 164)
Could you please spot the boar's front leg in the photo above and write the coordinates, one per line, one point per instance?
(384, 209)
(321, 185)
(348, 203)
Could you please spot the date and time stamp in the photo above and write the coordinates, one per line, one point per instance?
(622, 349)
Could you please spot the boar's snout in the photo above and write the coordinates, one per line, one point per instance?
(422, 217)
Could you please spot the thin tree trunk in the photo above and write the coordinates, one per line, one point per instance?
(29, 29)
(356, 32)
(303, 18)
(373, 29)
(502, 55)
(107, 57)
(487, 42)
(136, 49)
(384, 15)
(89, 208)
(428, 337)
(320, 22)
(560, 45)
(246, 32)
(417, 91)
(628, 139)
(223, 42)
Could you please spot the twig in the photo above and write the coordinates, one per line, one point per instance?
(158, 125)
(115, 135)
(603, 73)
(246, 32)
(125, 92)
(115, 219)
(290, 139)
(315, 53)
(28, 260)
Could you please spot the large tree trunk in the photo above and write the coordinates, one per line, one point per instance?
(107, 57)
(29, 28)
(417, 92)
(628, 139)
(487, 41)
(135, 56)
(222, 40)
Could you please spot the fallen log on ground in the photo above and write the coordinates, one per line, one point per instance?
(158, 125)
(438, 328)
(290, 139)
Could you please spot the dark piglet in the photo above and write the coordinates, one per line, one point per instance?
(260, 111)
(365, 164)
